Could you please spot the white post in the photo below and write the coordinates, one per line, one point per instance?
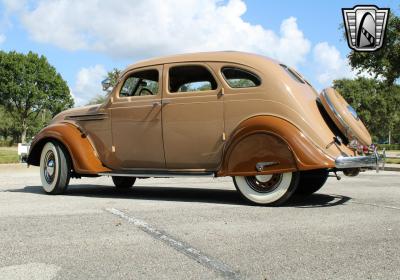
(390, 137)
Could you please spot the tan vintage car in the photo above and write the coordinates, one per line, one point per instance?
(208, 114)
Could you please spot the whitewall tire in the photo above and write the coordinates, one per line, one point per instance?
(273, 189)
(55, 168)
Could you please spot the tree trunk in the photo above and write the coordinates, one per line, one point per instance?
(24, 131)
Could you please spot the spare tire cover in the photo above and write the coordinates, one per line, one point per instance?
(344, 116)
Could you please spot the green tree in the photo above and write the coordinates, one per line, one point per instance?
(377, 104)
(6, 124)
(384, 62)
(28, 86)
(113, 75)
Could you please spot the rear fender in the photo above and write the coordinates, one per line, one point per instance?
(275, 143)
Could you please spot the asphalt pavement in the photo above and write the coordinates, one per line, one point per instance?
(197, 228)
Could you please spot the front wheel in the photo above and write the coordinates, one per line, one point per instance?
(272, 189)
(55, 168)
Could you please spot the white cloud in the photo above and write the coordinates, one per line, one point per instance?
(138, 29)
(88, 84)
(14, 6)
(2, 38)
(329, 64)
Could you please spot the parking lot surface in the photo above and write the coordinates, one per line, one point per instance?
(197, 228)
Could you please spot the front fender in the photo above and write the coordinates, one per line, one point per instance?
(83, 155)
(271, 140)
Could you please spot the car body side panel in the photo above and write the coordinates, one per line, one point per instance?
(95, 122)
(84, 157)
(99, 132)
(193, 125)
(136, 125)
(276, 140)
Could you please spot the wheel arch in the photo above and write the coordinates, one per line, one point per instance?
(84, 158)
(36, 150)
(288, 149)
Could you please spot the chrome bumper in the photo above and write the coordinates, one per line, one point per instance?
(375, 161)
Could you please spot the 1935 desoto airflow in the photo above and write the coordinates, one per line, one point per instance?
(214, 114)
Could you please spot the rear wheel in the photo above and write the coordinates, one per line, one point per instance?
(311, 181)
(272, 190)
(123, 182)
(55, 168)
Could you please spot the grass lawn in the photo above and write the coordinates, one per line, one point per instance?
(393, 151)
(8, 155)
(393, 160)
(389, 153)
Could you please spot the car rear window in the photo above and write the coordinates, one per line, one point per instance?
(240, 78)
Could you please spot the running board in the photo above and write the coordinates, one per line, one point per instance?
(157, 173)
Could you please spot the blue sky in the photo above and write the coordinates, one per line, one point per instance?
(84, 39)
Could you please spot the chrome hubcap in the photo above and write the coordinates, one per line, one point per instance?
(50, 165)
(264, 183)
(264, 178)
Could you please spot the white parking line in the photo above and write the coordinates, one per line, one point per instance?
(182, 247)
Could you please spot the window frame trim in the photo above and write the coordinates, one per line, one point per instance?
(291, 72)
(244, 70)
(168, 66)
(128, 74)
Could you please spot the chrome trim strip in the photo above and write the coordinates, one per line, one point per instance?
(158, 174)
(349, 132)
(87, 117)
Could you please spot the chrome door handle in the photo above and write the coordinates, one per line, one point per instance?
(156, 103)
(165, 102)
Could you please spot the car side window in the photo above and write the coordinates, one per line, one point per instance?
(190, 78)
(140, 83)
(240, 78)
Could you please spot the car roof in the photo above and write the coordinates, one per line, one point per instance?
(249, 59)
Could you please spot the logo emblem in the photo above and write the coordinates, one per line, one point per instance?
(365, 27)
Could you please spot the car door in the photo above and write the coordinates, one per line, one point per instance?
(193, 118)
(136, 120)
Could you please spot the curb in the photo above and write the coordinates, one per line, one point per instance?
(392, 167)
(389, 168)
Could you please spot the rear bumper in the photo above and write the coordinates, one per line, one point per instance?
(373, 161)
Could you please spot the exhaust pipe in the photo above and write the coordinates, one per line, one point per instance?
(351, 172)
